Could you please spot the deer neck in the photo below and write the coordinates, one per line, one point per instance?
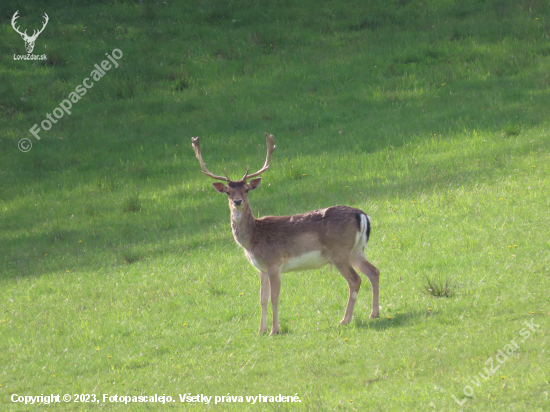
(242, 224)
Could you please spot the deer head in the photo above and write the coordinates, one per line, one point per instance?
(236, 190)
(29, 40)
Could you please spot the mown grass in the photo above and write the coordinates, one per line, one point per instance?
(119, 273)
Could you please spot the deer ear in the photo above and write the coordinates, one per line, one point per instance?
(254, 183)
(220, 187)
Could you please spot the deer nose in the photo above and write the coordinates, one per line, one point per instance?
(237, 202)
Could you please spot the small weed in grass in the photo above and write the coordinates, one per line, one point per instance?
(131, 258)
(217, 291)
(131, 204)
(438, 287)
(511, 130)
(180, 80)
(132, 255)
(284, 328)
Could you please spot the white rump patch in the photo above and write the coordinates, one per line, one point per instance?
(361, 236)
(307, 261)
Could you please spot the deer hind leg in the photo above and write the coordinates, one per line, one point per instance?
(264, 300)
(373, 274)
(354, 283)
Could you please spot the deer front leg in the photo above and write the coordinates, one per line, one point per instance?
(275, 285)
(264, 300)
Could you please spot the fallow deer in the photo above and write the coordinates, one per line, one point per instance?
(279, 244)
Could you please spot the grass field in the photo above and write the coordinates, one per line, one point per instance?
(118, 270)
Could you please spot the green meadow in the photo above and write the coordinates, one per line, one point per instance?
(119, 274)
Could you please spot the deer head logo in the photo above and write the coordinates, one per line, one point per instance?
(29, 40)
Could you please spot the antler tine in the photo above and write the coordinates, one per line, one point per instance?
(197, 149)
(43, 26)
(15, 17)
(225, 173)
(270, 140)
(246, 174)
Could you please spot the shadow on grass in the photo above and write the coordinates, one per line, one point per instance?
(393, 321)
(140, 236)
(135, 138)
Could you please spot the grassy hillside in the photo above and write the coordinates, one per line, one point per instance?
(118, 270)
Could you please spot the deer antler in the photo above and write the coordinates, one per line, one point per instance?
(15, 16)
(35, 35)
(270, 140)
(197, 148)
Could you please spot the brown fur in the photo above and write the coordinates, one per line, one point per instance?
(271, 242)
